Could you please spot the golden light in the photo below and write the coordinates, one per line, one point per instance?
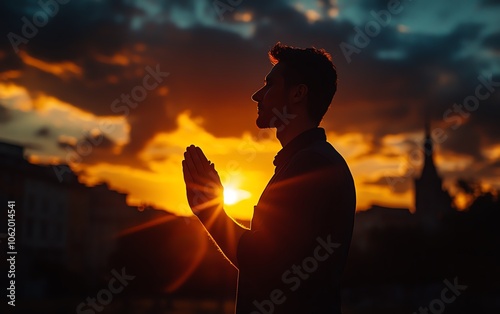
(403, 28)
(333, 12)
(230, 196)
(243, 17)
(63, 70)
(462, 201)
(233, 195)
(312, 16)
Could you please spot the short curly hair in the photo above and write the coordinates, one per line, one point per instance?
(312, 67)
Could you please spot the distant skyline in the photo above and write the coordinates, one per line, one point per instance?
(120, 88)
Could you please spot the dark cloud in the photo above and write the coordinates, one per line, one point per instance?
(397, 185)
(65, 143)
(492, 42)
(213, 71)
(382, 97)
(94, 149)
(88, 142)
(4, 114)
(478, 172)
(465, 141)
(43, 132)
(490, 2)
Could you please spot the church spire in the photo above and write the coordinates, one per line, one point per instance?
(429, 168)
(428, 147)
(431, 200)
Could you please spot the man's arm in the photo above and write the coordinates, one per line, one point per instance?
(205, 196)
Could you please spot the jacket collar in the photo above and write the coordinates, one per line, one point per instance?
(300, 142)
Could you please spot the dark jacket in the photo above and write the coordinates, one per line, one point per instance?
(292, 259)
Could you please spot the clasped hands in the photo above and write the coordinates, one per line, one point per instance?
(203, 186)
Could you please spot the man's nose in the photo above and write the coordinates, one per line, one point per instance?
(257, 96)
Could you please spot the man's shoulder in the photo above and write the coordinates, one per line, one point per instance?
(320, 158)
(321, 153)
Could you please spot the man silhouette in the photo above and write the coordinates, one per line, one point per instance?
(292, 257)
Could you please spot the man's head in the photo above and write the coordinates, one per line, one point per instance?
(302, 80)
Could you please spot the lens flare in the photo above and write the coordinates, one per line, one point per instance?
(233, 195)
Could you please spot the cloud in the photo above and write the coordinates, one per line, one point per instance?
(64, 70)
(44, 131)
(492, 42)
(395, 184)
(490, 3)
(4, 114)
(242, 162)
(64, 81)
(44, 119)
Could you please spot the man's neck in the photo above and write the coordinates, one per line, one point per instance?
(289, 132)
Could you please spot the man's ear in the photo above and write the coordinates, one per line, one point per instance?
(299, 93)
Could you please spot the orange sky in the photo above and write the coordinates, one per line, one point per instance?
(56, 96)
(243, 162)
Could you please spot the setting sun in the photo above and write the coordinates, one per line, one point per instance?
(233, 195)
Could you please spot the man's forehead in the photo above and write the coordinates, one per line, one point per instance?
(276, 71)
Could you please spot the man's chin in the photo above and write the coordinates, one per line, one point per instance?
(262, 123)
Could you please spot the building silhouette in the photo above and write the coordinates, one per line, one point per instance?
(69, 237)
(62, 225)
(432, 201)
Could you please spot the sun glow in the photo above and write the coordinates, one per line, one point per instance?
(233, 195)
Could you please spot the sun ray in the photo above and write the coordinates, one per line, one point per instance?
(145, 225)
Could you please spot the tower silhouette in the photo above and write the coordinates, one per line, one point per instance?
(432, 201)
